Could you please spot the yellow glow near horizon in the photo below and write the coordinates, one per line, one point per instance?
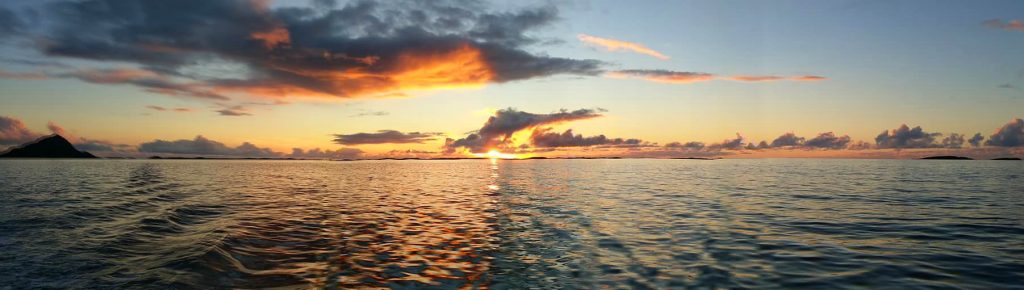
(495, 154)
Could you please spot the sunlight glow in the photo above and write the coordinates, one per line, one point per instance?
(495, 154)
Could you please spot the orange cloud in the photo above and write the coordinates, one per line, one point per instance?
(1009, 25)
(463, 66)
(273, 38)
(617, 45)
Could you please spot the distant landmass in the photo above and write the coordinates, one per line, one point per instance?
(948, 157)
(1006, 158)
(53, 146)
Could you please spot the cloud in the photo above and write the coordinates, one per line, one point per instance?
(203, 146)
(10, 23)
(1010, 135)
(162, 109)
(663, 76)
(976, 140)
(1008, 25)
(954, 140)
(905, 137)
(497, 132)
(681, 77)
(728, 144)
(692, 145)
(385, 137)
(14, 132)
(150, 81)
(360, 49)
(543, 137)
(1008, 86)
(860, 145)
(828, 140)
(22, 75)
(371, 113)
(769, 78)
(619, 45)
(787, 140)
(316, 153)
(234, 111)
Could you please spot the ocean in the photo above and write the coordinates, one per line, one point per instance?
(512, 224)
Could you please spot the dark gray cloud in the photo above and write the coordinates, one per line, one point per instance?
(762, 145)
(316, 153)
(203, 146)
(1010, 135)
(148, 80)
(787, 140)
(976, 140)
(692, 145)
(728, 144)
(362, 48)
(906, 137)
(10, 23)
(828, 140)
(385, 137)
(543, 137)
(14, 132)
(954, 140)
(496, 133)
(233, 112)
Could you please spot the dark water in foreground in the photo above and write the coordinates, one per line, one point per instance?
(821, 224)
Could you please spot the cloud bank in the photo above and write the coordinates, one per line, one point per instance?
(360, 49)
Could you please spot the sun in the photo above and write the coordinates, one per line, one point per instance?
(495, 154)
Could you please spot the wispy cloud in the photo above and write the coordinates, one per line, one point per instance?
(620, 45)
(1013, 24)
(682, 77)
(385, 137)
(163, 109)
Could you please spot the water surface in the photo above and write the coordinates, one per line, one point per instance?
(801, 223)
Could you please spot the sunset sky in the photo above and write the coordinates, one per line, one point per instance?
(358, 79)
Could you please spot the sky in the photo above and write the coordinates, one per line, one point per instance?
(366, 79)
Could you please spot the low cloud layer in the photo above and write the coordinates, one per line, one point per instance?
(14, 132)
(1010, 135)
(620, 45)
(202, 146)
(681, 77)
(316, 153)
(385, 137)
(543, 137)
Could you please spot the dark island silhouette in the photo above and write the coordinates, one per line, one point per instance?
(1006, 158)
(948, 157)
(53, 146)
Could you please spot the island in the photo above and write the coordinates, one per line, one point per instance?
(947, 157)
(52, 146)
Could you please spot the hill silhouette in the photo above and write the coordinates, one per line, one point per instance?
(53, 146)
